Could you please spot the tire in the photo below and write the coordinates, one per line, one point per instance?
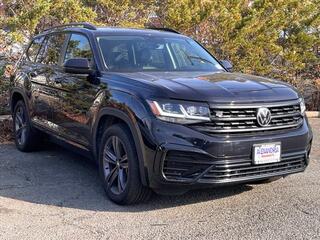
(119, 167)
(26, 137)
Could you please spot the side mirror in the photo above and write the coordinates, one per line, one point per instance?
(77, 66)
(227, 65)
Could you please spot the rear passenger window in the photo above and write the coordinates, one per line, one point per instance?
(51, 52)
(78, 47)
(34, 49)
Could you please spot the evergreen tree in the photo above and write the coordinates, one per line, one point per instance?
(275, 38)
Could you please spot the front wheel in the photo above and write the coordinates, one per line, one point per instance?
(119, 167)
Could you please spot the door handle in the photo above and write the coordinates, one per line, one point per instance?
(33, 74)
(57, 81)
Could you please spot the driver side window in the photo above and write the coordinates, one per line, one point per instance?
(78, 47)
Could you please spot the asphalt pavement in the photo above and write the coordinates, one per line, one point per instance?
(56, 194)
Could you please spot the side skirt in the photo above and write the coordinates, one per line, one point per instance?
(65, 143)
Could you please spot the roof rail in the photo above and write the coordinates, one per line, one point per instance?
(81, 24)
(164, 29)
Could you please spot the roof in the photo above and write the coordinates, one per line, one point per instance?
(98, 31)
(133, 31)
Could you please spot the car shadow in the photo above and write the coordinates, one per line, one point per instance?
(58, 177)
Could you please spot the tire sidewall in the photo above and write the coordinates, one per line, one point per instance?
(121, 132)
(23, 146)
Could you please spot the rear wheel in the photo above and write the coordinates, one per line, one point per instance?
(119, 167)
(26, 137)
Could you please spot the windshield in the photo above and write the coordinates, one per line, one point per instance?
(146, 53)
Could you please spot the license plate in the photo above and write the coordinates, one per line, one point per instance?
(266, 153)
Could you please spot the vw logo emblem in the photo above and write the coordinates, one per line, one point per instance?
(263, 117)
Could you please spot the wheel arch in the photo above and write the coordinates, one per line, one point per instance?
(15, 96)
(109, 116)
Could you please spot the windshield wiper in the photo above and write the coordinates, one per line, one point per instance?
(190, 57)
(199, 58)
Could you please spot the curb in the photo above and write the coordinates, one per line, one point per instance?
(313, 114)
(5, 117)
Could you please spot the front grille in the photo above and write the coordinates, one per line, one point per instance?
(235, 119)
(247, 169)
(181, 166)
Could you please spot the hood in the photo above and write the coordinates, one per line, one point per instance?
(218, 87)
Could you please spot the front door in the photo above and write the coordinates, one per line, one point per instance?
(76, 94)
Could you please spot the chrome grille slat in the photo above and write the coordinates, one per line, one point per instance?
(230, 119)
(278, 164)
(182, 166)
(262, 171)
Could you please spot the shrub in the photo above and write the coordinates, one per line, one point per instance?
(6, 130)
(4, 88)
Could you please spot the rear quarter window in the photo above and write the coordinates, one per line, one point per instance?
(34, 48)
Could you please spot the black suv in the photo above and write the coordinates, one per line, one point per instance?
(156, 110)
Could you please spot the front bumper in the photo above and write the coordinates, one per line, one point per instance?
(189, 159)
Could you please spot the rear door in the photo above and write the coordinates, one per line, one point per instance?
(45, 74)
(29, 69)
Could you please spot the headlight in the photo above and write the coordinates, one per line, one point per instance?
(180, 112)
(302, 106)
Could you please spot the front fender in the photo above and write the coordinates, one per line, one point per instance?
(130, 110)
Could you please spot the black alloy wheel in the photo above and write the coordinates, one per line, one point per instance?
(119, 166)
(27, 138)
(115, 164)
(20, 124)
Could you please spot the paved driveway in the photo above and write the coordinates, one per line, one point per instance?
(55, 194)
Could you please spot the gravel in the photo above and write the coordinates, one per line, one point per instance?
(56, 194)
